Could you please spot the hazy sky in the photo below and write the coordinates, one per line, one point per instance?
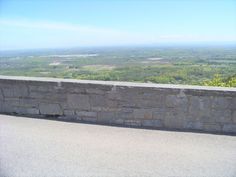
(67, 23)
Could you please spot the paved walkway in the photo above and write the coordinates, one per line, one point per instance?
(46, 148)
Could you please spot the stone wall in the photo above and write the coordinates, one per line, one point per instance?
(209, 109)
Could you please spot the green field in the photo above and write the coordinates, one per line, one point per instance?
(173, 65)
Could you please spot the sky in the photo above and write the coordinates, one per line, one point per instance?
(31, 24)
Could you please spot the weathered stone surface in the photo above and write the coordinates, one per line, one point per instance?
(95, 91)
(212, 127)
(233, 103)
(174, 119)
(142, 114)
(40, 88)
(90, 119)
(200, 103)
(114, 95)
(106, 117)
(125, 113)
(200, 108)
(221, 102)
(234, 117)
(152, 123)
(78, 101)
(16, 91)
(152, 103)
(50, 96)
(12, 102)
(74, 88)
(69, 118)
(86, 114)
(5, 107)
(69, 112)
(1, 95)
(131, 104)
(222, 116)
(50, 109)
(229, 128)
(158, 113)
(133, 123)
(102, 101)
(174, 101)
(8, 92)
(26, 111)
(33, 111)
(98, 101)
(194, 125)
(117, 121)
(28, 102)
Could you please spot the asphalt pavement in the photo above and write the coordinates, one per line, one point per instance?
(45, 148)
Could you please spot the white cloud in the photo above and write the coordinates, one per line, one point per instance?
(39, 34)
(56, 26)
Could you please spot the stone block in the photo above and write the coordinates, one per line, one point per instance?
(174, 119)
(74, 88)
(42, 88)
(125, 113)
(26, 111)
(78, 101)
(114, 96)
(133, 123)
(12, 102)
(234, 116)
(152, 103)
(200, 103)
(16, 91)
(158, 113)
(49, 96)
(221, 102)
(142, 114)
(5, 107)
(152, 123)
(174, 101)
(68, 112)
(8, 92)
(1, 95)
(222, 116)
(33, 111)
(106, 117)
(86, 114)
(98, 101)
(90, 119)
(233, 103)
(199, 108)
(95, 91)
(36, 95)
(28, 102)
(50, 109)
(212, 127)
(127, 104)
(229, 128)
(117, 121)
(194, 125)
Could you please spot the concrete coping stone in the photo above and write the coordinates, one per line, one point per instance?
(117, 83)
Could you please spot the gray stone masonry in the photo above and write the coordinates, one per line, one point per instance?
(196, 108)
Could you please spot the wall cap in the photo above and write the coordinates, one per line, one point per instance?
(117, 83)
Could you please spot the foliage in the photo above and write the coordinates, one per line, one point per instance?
(168, 65)
(219, 81)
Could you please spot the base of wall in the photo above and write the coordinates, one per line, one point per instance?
(71, 120)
